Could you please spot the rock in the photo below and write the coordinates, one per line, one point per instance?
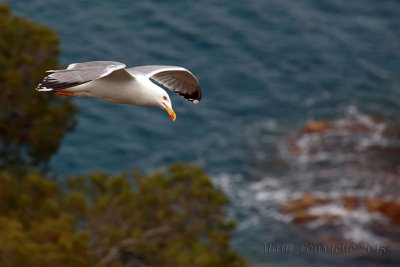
(373, 204)
(350, 202)
(303, 217)
(293, 146)
(301, 214)
(303, 203)
(390, 209)
(316, 127)
(329, 217)
(378, 120)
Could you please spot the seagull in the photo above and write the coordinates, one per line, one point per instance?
(111, 81)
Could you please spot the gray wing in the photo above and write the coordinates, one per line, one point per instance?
(177, 79)
(79, 73)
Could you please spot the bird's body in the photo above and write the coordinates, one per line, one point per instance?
(119, 89)
(110, 81)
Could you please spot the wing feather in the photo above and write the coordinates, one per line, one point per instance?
(77, 74)
(177, 79)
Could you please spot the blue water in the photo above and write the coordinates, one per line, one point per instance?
(265, 68)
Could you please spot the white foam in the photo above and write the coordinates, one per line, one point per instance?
(359, 234)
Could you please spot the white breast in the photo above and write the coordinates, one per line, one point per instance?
(139, 91)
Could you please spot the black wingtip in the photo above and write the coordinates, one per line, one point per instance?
(49, 84)
(195, 97)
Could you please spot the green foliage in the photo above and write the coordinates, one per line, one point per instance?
(35, 229)
(176, 219)
(32, 124)
(173, 219)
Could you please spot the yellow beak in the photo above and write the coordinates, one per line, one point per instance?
(170, 112)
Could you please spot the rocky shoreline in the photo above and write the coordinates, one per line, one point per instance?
(300, 208)
(363, 151)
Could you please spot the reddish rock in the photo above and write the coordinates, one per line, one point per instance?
(303, 203)
(304, 217)
(373, 204)
(350, 202)
(329, 217)
(316, 127)
(356, 128)
(378, 119)
(390, 209)
(301, 215)
(293, 146)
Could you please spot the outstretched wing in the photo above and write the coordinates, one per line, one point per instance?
(177, 79)
(79, 73)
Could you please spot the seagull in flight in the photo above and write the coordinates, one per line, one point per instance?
(111, 81)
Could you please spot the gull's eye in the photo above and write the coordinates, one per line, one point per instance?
(165, 98)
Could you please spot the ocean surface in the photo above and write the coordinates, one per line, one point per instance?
(265, 68)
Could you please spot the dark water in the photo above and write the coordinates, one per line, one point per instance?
(265, 67)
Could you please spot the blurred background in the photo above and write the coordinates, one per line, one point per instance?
(298, 124)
